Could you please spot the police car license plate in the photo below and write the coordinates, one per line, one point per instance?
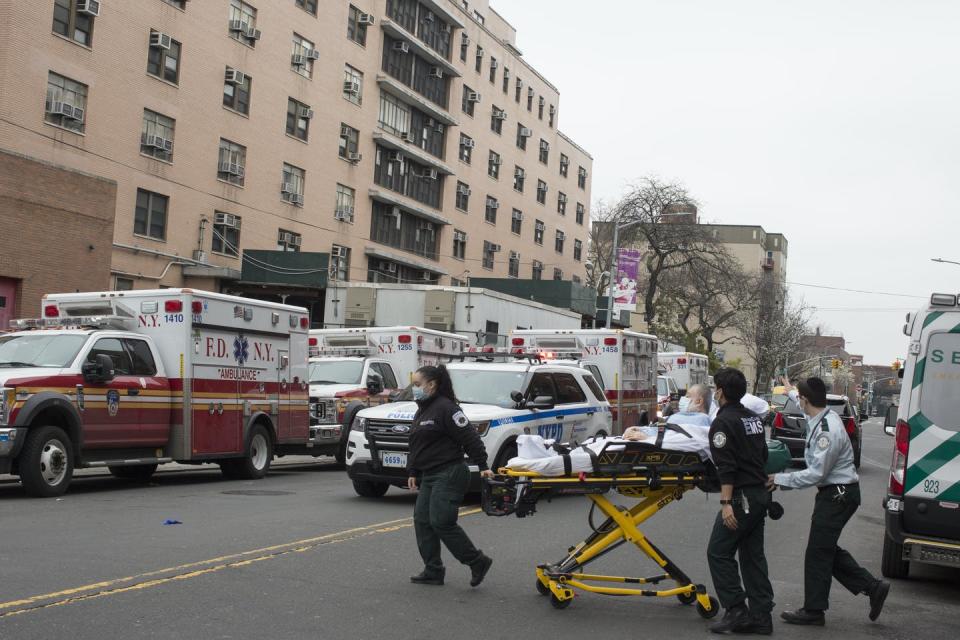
(392, 459)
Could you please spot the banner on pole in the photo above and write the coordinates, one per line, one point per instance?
(625, 284)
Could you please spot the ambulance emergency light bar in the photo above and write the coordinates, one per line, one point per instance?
(72, 322)
(558, 344)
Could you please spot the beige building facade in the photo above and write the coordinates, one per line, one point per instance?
(383, 140)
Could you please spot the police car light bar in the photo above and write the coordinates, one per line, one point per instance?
(71, 322)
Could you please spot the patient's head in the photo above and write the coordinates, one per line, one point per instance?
(697, 400)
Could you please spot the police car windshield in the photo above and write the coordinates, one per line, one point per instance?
(39, 350)
(486, 387)
(336, 372)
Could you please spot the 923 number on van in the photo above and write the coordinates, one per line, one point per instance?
(931, 486)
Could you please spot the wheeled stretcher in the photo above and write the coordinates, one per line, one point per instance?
(653, 476)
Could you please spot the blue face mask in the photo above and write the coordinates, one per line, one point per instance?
(419, 393)
(684, 404)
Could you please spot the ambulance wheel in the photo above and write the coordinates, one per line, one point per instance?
(542, 589)
(892, 564)
(714, 609)
(370, 489)
(256, 460)
(136, 473)
(46, 462)
(558, 603)
(687, 598)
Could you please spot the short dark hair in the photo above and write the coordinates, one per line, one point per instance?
(732, 382)
(814, 390)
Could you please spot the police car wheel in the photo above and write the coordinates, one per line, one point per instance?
(714, 609)
(542, 589)
(46, 462)
(370, 489)
(136, 473)
(508, 451)
(892, 564)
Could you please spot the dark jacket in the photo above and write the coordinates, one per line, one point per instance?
(738, 444)
(440, 435)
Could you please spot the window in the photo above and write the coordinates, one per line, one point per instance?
(394, 115)
(541, 192)
(497, 116)
(464, 45)
(564, 165)
(493, 166)
(516, 221)
(163, 58)
(352, 84)
(122, 284)
(70, 22)
(493, 69)
(506, 80)
(562, 203)
(298, 119)
(479, 58)
(519, 90)
(540, 104)
(529, 98)
(544, 151)
(538, 229)
(232, 162)
(399, 228)
(490, 214)
(466, 148)
(536, 272)
(310, 6)
(557, 273)
(357, 22)
(226, 234)
(409, 177)
(575, 279)
(580, 213)
(519, 175)
(470, 98)
(513, 266)
(541, 385)
(582, 178)
(291, 187)
(340, 263)
(243, 23)
(456, 282)
(288, 241)
(463, 196)
(488, 254)
(112, 348)
(553, 115)
(459, 245)
(349, 143)
(150, 216)
(478, 16)
(156, 136)
(236, 91)
(179, 4)
(302, 57)
(344, 208)
(577, 250)
(568, 389)
(385, 371)
(558, 242)
(66, 103)
(594, 381)
(522, 134)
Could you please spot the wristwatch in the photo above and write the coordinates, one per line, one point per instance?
(724, 503)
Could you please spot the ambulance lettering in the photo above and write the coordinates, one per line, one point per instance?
(150, 321)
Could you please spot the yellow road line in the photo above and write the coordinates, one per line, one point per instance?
(191, 570)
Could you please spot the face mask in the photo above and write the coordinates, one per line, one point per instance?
(684, 404)
(419, 393)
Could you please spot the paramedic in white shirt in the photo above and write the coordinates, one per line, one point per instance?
(694, 407)
(755, 405)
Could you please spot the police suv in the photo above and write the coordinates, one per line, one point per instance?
(502, 400)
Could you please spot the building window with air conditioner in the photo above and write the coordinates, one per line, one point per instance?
(74, 19)
(493, 165)
(513, 266)
(582, 178)
(553, 116)
(562, 203)
(226, 234)
(536, 271)
(564, 165)
(394, 115)
(466, 148)
(581, 213)
(156, 136)
(519, 90)
(352, 84)
(163, 57)
(506, 81)
(299, 116)
(310, 6)
(530, 99)
(558, 242)
(522, 134)
(497, 116)
(470, 99)
(493, 69)
(150, 215)
(519, 176)
(242, 25)
(292, 184)
(303, 56)
(340, 263)
(236, 91)
(541, 192)
(540, 104)
(557, 273)
(349, 143)
(490, 214)
(516, 221)
(343, 209)
(577, 250)
(489, 251)
(66, 103)
(288, 241)
(479, 58)
(357, 22)
(463, 196)
(232, 162)
(538, 230)
(544, 151)
(459, 245)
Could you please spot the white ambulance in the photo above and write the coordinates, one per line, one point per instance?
(623, 362)
(128, 380)
(686, 369)
(354, 368)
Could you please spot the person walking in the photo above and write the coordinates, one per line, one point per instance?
(440, 436)
(829, 456)
(738, 446)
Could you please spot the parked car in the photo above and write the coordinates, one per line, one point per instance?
(790, 426)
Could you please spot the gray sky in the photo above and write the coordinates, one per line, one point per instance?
(835, 123)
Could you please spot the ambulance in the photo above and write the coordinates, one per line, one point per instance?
(128, 380)
(623, 362)
(922, 504)
(360, 367)
(686, 369)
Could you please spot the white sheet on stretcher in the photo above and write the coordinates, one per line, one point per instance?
(534, 454)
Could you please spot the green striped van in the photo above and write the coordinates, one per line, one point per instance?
(923, 495)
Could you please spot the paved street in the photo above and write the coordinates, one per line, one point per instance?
(298, 555)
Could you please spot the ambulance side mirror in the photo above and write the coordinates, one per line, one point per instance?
(100, 370)
(890, 421)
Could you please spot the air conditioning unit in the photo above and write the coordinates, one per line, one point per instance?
(288, 188)
(494, 248)
(435, 72)
(553, 110)
(157, 142)
(59, 108)
(88, 7)
(352, 87)
(395, 156)
(295, 240)
(431, 174)
(401, 46)
(227, 220)
(463, 189)
(345, 131)
(496, 162)
(530, 92)
(519, 83)
(406, 136)
(493, 204)
(354, 157)
(541, 101)
(365, 18)
(500, 115)
(563, 198)
(343, 212)
(313, 54)
(252, 33)
(428, 16)
(78, 114)
(305, 112)
(389, 267)
(518, 215)
(469, 143)
(295, 199)
(298, 60)
(231, 168)
(564, 162)
(238, 25)
(473, 96)
(464, 39)
(232, 76)
(284, 237)
(518, 173)
(199, 255)
(494, 64)
(338, 252)
(526, 133)
(159, 40)
(544, 144)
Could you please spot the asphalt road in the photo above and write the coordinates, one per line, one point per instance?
(298, 555)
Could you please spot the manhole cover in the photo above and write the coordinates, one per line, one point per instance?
(257, 492)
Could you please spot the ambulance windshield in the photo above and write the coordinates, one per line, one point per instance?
(39, 350)
(336, 372)
(474, 386)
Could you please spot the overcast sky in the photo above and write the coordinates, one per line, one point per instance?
(836, 123)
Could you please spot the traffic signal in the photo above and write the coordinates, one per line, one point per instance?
(896, 365)
(835, 363)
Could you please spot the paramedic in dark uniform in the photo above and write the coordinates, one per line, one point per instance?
(440, 436)
(738, 445)
(829, 456)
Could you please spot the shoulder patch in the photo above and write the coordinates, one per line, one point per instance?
(823, 442)
(460, 419)
(719, 440)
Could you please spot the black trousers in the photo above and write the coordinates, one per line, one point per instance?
(745, 543)
(435, 517)
(824, 559)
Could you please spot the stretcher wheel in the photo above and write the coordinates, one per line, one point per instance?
(714, 609)
(687, 598)
(558, 603)
(542, 589)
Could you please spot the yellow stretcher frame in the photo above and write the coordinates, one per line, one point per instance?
(561, 579)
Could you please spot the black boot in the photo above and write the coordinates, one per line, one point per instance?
(479, 569)
(804, 617)
(760, 624)
(732, 618)
(424, 577)
(878, 595)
